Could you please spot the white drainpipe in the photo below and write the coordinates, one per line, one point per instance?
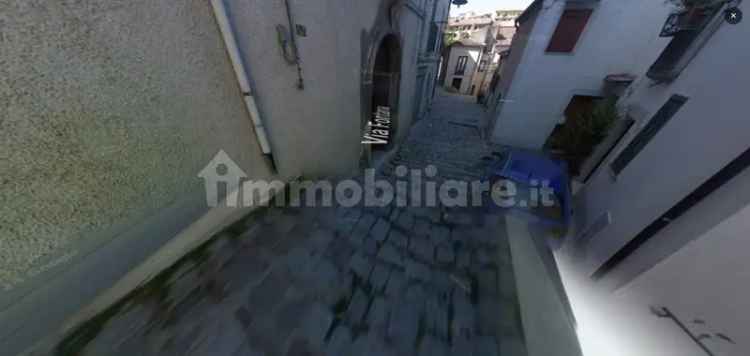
(220, 11)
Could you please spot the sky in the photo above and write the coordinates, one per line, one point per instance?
(484, 6)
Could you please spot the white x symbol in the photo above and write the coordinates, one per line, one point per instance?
(733, 15)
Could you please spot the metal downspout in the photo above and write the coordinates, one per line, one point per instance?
(222, 19)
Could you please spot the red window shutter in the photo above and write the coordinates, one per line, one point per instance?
(568, 30)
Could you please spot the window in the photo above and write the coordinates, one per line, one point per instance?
(461, 65)
(689, 30)
(482, 65)
(572, 22)
(456, 83)
(640, 141)
(432, 39)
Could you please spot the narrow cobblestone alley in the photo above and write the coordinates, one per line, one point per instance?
(338, 281)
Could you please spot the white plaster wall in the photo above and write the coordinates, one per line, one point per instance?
(457, 51)
(620, 36)
(301, 122)
(411, 24)
(709, 279)
(706, 280)
(708, 132)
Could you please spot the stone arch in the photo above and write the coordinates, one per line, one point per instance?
(381, 65)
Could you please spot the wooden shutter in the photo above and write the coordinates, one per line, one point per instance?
(568, 30)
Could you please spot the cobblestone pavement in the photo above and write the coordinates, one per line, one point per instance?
(343, 281)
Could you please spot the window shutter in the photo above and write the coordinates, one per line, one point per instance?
(640, 141)
(432, 40)
(568, 30)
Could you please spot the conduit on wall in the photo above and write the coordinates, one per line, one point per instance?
(220, 12)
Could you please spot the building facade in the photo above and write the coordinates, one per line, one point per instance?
(563, 50)
(662, 217)
(110, 112)
(493, 33)
(461, 63)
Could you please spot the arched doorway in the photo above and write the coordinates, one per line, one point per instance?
(383, 100)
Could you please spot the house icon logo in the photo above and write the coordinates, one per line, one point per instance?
(222, 170)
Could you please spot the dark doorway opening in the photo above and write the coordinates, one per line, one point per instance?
(573, 149)
(456, 83)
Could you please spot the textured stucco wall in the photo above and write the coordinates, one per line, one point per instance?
(109, 110)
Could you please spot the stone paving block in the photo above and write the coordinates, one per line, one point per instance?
(507, 284)
(287, 315)
(300, 262)
(340, 253)
(512, 346)
(338, 289)
(262, 337)
(482, 257)
(370, 344)
(379, 277)
(418, 271)
(320, 239)
(357, 307)
(340, 343)
(509, 322)
(428, 213)
(358, 238)
(398, 239)
(403, 328)
(361, 266)
(391, 255)
(364, 224)
(315, 324)
(406, 221)
(464, 320)
(463, 346)
(269, 292)
(443, 283)
(444, 254)
(325, 274)
(300, 347)
(379, 232)
(396, 284)
(421, 228)
(370, 247)
(378, 315)
(440, 234)
(436, 315)
(422, 249)
(394, 215)
(459, 217)
(222, 249)
(123, 333)
(463, 258)
(489, 316)
(416, 294)
(432, 346)
(488, 282)
(345, 225)
(485, 346)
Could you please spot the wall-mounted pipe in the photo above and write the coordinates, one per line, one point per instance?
(220, 12)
